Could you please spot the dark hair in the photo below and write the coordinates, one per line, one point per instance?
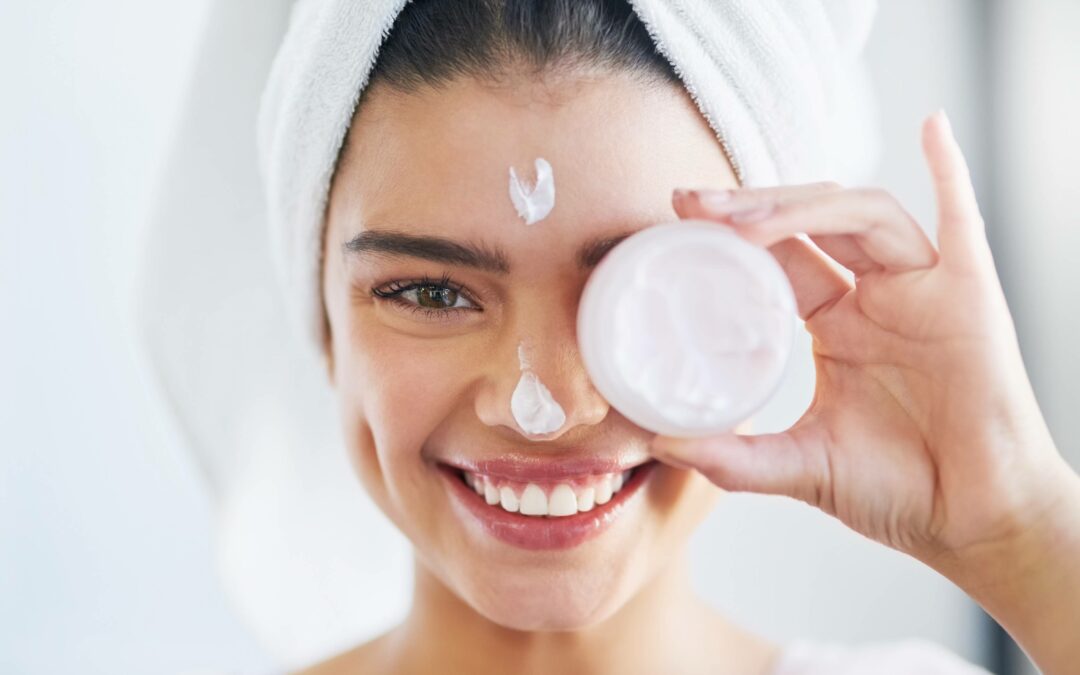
(433, 42)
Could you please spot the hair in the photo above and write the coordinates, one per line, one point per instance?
(434, 42)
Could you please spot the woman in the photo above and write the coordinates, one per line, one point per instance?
(923, 433)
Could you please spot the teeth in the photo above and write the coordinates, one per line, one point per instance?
(508, 499)
(604, 490)
(533, 501)
(563, 500)
(586, 499)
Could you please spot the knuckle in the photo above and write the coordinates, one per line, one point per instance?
(827, 186)
(875, 194)
(880, 201)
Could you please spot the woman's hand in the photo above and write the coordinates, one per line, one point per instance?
(923, 433)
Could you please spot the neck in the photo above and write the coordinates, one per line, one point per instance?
(664, 628)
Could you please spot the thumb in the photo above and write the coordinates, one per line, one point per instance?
(793, 463)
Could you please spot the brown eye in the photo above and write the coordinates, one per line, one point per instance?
(427, 296)
(436, 297)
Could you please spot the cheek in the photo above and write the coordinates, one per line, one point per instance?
(683, 498)
(393, 393)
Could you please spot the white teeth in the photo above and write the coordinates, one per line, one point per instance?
(603, 490)
(586, 499)
(562, 502)
(508, 499)
(533, 501)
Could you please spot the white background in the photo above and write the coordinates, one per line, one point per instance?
(106, 551)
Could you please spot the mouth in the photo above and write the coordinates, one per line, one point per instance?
(555, 507)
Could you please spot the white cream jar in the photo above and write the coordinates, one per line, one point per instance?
(686, 328)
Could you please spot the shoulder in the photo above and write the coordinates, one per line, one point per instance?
(902, 657)
(369, 657)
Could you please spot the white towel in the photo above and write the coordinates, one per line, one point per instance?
(779, 81)
(306, 558)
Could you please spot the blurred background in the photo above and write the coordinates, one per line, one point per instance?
(109, 560)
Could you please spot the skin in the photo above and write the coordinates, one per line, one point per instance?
(923, 434)
(442, 159)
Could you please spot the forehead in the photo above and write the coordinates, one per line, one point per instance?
(437, 161)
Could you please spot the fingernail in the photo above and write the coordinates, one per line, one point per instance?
(679, 194)
(752, 215)
(714, 199)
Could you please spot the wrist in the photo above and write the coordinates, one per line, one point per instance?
(1030, 582)
(1048, 531)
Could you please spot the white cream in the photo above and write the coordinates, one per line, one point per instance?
(534, 408)
(686, 328)
(534, 202)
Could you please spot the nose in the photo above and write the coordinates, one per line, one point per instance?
(538, 387)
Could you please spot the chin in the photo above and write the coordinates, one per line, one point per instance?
(546, 606)
(564, 609)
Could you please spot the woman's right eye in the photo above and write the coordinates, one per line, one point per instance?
(435, 299)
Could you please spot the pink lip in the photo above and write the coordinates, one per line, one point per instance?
(540, 533)
(546, 468)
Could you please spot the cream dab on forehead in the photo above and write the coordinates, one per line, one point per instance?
(534, 408)
(533, 201)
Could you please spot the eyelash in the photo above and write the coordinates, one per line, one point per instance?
(393, 291)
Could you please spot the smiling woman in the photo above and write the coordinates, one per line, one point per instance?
(444, 176)
(418, 215)
(436, 300)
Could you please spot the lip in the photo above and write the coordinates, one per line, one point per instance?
(542, 532)
(547, 468)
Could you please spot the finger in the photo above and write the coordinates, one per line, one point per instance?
(792, 463)
(813, 279)
(709, 204)
(872, 217)
(716, 204)
(847, 251)
(961, 231)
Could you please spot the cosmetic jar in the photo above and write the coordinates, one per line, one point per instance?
(686, 328)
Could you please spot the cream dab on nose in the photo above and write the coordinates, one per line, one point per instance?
(534, 408)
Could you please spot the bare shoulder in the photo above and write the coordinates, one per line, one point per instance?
(369, 657)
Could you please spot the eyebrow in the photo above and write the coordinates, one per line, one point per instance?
(466, 254)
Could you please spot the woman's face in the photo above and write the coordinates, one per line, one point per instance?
(424, 378)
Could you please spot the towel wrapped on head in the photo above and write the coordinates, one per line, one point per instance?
(780, 82)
